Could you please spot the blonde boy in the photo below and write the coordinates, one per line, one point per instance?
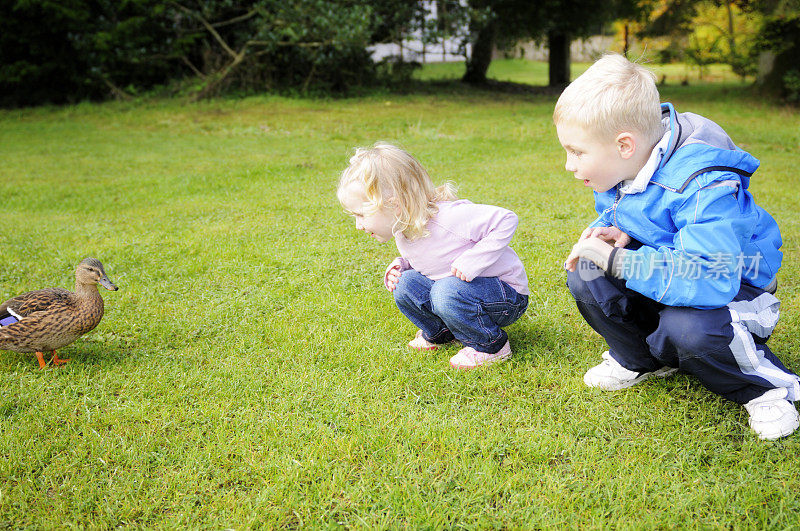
(678, 271)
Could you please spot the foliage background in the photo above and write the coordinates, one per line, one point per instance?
(70, 51)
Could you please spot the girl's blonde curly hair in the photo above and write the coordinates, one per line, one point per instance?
(391, 177)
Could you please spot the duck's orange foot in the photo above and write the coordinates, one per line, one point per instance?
(57, 360)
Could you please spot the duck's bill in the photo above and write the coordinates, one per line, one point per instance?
(108, 284)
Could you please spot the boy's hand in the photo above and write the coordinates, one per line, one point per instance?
(591, 248)
(392, 278)
(610, 235)
(458, 274)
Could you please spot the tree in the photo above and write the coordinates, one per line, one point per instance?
(567, 20)
(270, 44)
(394, 19)
(712, 31)
(778, 47)
(723, 33)
(751, 35)
(558, 22)
(483, 24)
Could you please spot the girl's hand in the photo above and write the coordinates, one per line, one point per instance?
(458, 274)
(392, 278)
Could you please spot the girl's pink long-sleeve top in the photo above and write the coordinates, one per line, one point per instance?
(470, 237)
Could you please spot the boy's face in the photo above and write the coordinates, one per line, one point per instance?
(377, 224)
(597, 163)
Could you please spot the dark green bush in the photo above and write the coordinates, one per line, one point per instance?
(71, 50)
(57, 52)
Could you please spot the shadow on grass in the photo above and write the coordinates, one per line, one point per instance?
(413, 87)
(99, 352)
(536, 343)
(702, 91)
(84, 352)
(456, 88)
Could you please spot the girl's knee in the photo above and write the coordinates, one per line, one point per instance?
(401, 293)
(403, 285)
(445, 295)
(411, 286)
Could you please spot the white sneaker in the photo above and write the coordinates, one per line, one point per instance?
(771, 415)
(469, 358)
(420, 343)
(612, 376)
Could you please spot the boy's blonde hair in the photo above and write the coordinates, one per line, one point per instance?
(613, 96)
(391, 177)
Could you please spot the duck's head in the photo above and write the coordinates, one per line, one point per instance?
(90, 271)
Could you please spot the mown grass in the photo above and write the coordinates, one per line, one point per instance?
(536, 73)
(252, 371)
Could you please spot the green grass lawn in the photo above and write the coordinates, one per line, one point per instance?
(535, 73)
(252, 371)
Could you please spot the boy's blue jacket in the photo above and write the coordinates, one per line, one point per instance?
(701, 231)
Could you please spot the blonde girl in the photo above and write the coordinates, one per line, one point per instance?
(456, 277)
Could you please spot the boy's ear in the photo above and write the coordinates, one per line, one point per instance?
(626, 145)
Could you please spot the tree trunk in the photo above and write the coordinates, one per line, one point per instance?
(558, 62)
(731, 34)
(481, 57)
(772, 68)
(625, 43)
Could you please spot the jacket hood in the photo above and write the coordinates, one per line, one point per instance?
(704, 144)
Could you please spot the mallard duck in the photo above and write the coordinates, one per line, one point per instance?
(51, 318)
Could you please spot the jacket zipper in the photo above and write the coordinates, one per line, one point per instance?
(617, 199)
(613, 208)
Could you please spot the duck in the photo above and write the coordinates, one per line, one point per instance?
(48, 319)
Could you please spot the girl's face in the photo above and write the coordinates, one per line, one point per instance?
(377, 224)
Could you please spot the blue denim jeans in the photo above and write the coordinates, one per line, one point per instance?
(471, 312)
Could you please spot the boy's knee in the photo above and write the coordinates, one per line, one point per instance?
(687, 330)
(579, 287)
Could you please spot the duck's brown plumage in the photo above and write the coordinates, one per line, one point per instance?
(52, 318)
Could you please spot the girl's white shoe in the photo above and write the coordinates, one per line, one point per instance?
(420, 343)
(469, 358)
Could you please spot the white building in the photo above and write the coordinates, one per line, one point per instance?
(413, 49)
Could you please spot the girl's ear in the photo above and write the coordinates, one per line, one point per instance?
(391, 203)
(626, 145)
